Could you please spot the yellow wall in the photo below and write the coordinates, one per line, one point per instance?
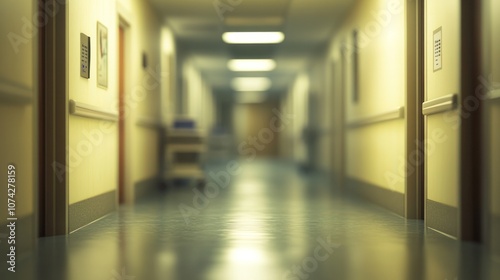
(96, 172)
(311, 85)
(145, 36)
(442, 161)
(93, 165)
(494, 153)
(17, 148)
(254, 120)
(208, 113)
(374, 151)
(198, 97)
(296, 104)
(495, 42)
(442, 169)
(323, 113)
(17, 121)
(335, 91)
(494, 118)
(169, 85)
(17, 43)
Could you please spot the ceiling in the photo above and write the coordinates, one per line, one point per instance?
(198, 26)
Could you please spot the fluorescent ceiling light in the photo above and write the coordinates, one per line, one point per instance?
(253, 37)
(251, 65)
(247, 97)
(251, 84)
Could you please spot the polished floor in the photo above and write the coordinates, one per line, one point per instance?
(269, 222)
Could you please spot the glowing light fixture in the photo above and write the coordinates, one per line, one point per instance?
(251, 84)
(247, 97)
(253, 37)
(251, 65)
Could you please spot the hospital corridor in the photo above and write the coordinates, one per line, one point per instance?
(249, 139)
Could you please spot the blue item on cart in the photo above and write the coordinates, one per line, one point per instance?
(184, 124)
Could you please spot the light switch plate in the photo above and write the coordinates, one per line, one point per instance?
(438, 49)
(84, 56)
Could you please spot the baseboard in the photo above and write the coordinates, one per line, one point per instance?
(442, 217)
(146, 187)
(85, 212)
(393, 201)
(26, 235)
(495, 235)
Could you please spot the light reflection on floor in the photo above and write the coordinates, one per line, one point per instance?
(269, 223)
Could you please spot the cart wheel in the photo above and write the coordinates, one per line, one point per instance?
(164, 185)
(201, 183)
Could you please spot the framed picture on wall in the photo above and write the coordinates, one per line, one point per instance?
(355, 66)
(102, 55)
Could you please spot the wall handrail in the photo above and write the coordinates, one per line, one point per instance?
(440, 105)
(89, 111)
(15, 93)
(494, 94)
(396, 114)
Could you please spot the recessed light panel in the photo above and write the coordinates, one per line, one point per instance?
(251, 84)
(251, 65)
(247, 97)
(253, 37)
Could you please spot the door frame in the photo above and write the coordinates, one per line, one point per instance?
(415, 83)
(122, 65)
(470, 193)
(488, 234)
(343, 68)
(41, 120)
(125, 192)
(337, 124)
(53, 125)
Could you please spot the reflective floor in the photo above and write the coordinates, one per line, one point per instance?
(269, 222)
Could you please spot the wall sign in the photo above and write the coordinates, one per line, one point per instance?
(355, 66)
(84, 56)
(102, 55)
(438, 49)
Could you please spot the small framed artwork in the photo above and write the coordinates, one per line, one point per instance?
(102, 55)
(355, 67)
(144, 60)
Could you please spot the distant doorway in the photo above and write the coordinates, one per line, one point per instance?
(122, 70)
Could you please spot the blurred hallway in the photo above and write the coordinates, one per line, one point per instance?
(269, 223)
(249, 139)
